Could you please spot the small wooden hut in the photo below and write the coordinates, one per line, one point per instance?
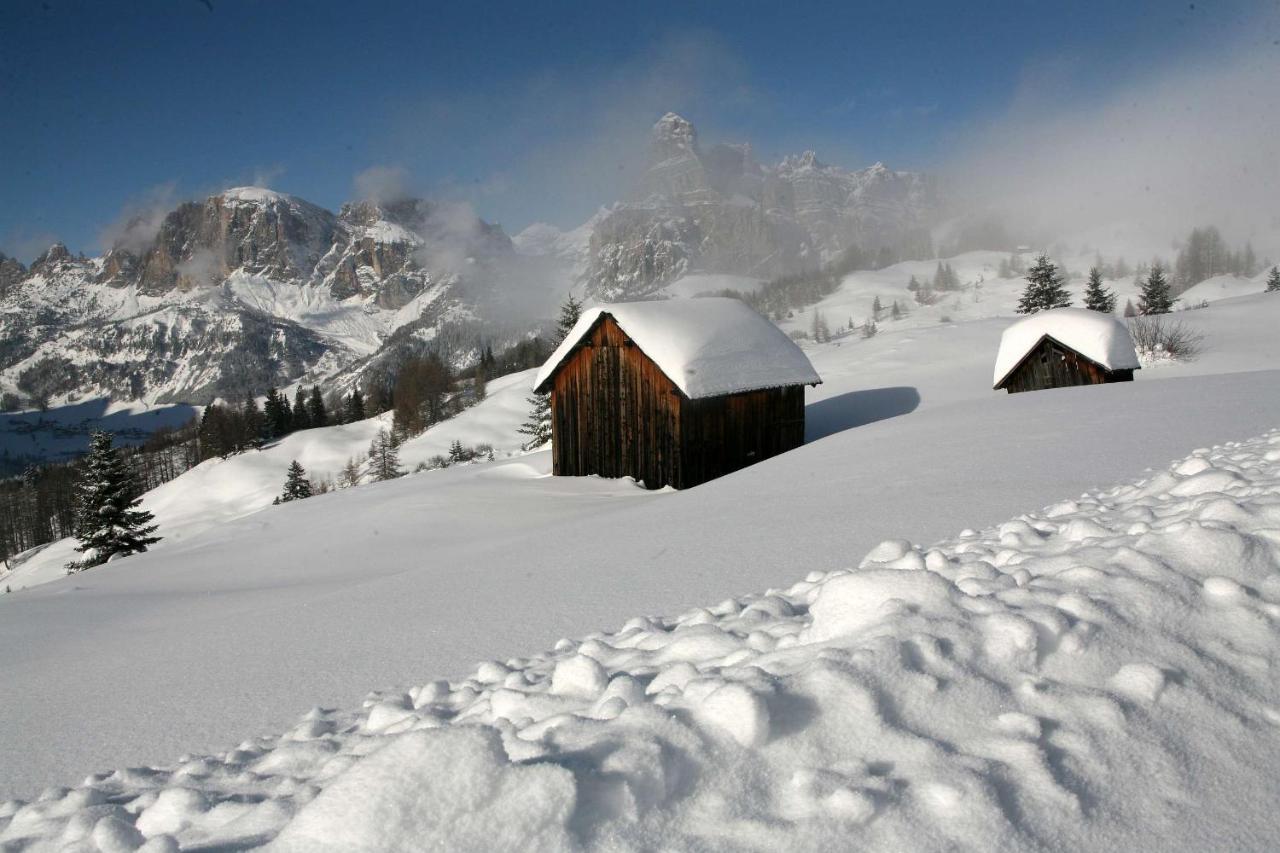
(1064, 347)
(674, 392)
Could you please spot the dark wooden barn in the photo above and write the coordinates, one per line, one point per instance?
(674, 393)
(1064, 347)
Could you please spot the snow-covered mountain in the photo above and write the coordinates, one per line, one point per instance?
(245, 289)
(715, 210)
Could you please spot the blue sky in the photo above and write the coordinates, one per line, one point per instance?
(528, 110)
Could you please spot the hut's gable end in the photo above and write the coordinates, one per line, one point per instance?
(614, 412)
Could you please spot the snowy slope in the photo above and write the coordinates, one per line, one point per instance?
(392, 583)
(1095, 675)
(220, 490)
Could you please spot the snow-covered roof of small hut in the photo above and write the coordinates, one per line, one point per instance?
(707, 346)
(1101, 338)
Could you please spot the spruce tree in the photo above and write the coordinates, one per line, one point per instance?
(1096, 296)
(108, 522)
(1273, 280)
(316, 412)
(895, 312)
(354, 407)
(457, 453)
(296, 485)
(1155, 298)
(253, 424)
(276, 414)
(876, 310)
(301, 414)
(1044, 290)
(538, 425)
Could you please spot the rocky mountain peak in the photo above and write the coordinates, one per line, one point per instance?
(51, 258)
(672, 136)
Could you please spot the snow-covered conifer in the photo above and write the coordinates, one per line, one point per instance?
(538, 425)
(1044, 289)
(1273, 280)
(296, 485)
(1156, 297)
(108, 522)
(1096, 296)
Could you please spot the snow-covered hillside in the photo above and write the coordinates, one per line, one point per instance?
(984, 293)
(1094, 675)
(220, 490)
(389, 583)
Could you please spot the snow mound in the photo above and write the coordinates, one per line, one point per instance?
(1017, 687)
(1222, 287)
(1098, 337)
(707, 347)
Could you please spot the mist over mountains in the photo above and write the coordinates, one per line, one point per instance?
(250, 288)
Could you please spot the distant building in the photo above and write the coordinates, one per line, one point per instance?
(674, 392)
(1063, 347)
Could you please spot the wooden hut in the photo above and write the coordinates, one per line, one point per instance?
(674, 392)
(1063, 347)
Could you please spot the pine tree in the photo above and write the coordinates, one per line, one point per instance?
(108, 522)
(253, 423)
(301, 414)
(384, 457)
(350, 475)
(1044, 289)
(876, 310)
(354, 407)
(1129, 310)
(296, 485)
(457, 453)
(275, 410)
(895, 312)
(570, 313)
(1096, 295)
(1155, 298)
(316, 411)
(1273, 280)
(538, 425)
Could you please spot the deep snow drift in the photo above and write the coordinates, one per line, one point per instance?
(1098, 675)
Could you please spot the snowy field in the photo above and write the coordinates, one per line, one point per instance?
(231, 628)
(1095, 675)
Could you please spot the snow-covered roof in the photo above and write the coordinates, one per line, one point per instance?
(707, 347)
(1101, 338)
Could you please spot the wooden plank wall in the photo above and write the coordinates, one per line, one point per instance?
(1052, 365)
(723, 434)
(614, 413)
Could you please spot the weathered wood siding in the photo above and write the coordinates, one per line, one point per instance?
(722, 434)
(616, 414)
(1054, 365)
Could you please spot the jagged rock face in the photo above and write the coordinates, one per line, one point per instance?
(718, 210)
(248, 229)
(246, 289)
(11, 272)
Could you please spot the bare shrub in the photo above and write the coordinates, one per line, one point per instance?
(1157, 337)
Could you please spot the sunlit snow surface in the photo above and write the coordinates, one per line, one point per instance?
(1098, 674)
